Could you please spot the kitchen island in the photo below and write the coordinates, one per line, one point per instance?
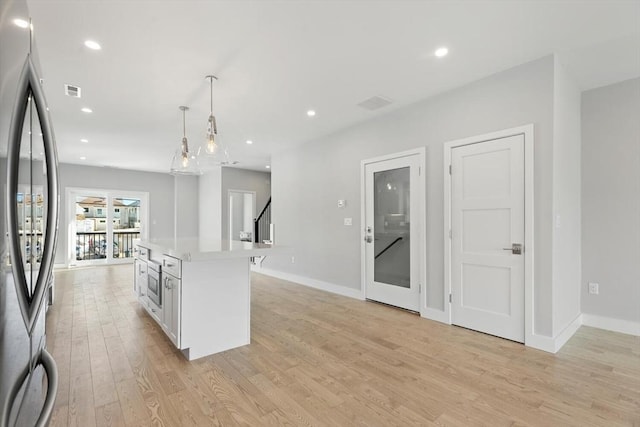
(198, 291)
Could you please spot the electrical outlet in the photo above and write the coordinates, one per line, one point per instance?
(293, 260)
(594, 288)
(348, 221)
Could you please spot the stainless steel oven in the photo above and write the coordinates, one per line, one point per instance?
(154, 289)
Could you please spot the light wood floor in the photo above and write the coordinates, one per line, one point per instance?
(321, 359)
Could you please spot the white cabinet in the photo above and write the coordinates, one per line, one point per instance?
(205, 293)
(171, 310)
(155, 311)
(140, 275)
(140, 278)
(172, 266)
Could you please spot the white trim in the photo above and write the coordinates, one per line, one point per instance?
(530, 338)
(108, 194)
(554, 344)
(541, 342)
(230, 211)
(566, 334)
(435, 314)
(312, 283)
(421, 152)
(611, 324)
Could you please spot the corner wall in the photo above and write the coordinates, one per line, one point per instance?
(566, 200)
(611, 204)
(307, 181)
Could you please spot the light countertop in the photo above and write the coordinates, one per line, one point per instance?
(203, 250)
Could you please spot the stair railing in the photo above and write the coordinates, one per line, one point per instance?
(262, 224)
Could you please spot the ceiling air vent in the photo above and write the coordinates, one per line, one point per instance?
(374, 103)
(72, 91)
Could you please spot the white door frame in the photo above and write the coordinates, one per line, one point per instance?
(109, 195)
(421, 152)
(230, 210)
(527, 132)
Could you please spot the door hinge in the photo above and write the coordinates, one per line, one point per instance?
(449, 169)
(449, 298)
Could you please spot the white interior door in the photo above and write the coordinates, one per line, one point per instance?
(487, 224)
(392, 229)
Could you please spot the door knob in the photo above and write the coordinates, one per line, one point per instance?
(516, 249)
(368, 239)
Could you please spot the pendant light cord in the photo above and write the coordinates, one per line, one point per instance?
(184, 125)
(211, 86)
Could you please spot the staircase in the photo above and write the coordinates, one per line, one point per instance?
(262, 225)
(262, 230)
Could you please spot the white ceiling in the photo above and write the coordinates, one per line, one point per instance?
(277, 59)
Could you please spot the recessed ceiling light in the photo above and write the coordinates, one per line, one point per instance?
(442, 51)
(84, 140)
(83, 158)
(268, 167)
(21, 23)
(249, 141)
(92, 45)
(311, 113)
(87, 110)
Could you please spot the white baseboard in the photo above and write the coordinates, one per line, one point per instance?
(540, 342)
(435, 314)
(611, 324)
(564, 336)
(554, 344)
(312, 283)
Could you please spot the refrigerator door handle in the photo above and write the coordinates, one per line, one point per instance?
(51, 369)
(49, 366)
(29, 85)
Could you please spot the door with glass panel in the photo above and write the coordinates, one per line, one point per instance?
(125, 220)
(104, 225)
(391, 231)
(90, 237)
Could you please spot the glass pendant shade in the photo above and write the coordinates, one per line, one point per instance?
(214, 152)
(184, 161)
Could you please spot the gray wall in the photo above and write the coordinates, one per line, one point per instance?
(159, 186)
(308, 181)
(611, 200)
(566, 200)
(248, 180)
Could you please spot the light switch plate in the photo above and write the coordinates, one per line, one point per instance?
(348, 221)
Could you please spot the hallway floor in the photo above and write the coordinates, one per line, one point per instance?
(321, 359)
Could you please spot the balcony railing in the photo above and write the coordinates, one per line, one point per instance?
(93, 244)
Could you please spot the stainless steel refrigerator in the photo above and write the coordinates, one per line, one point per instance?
(28, 226)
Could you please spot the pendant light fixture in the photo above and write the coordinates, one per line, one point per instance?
(214, 152)
(185, 162)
